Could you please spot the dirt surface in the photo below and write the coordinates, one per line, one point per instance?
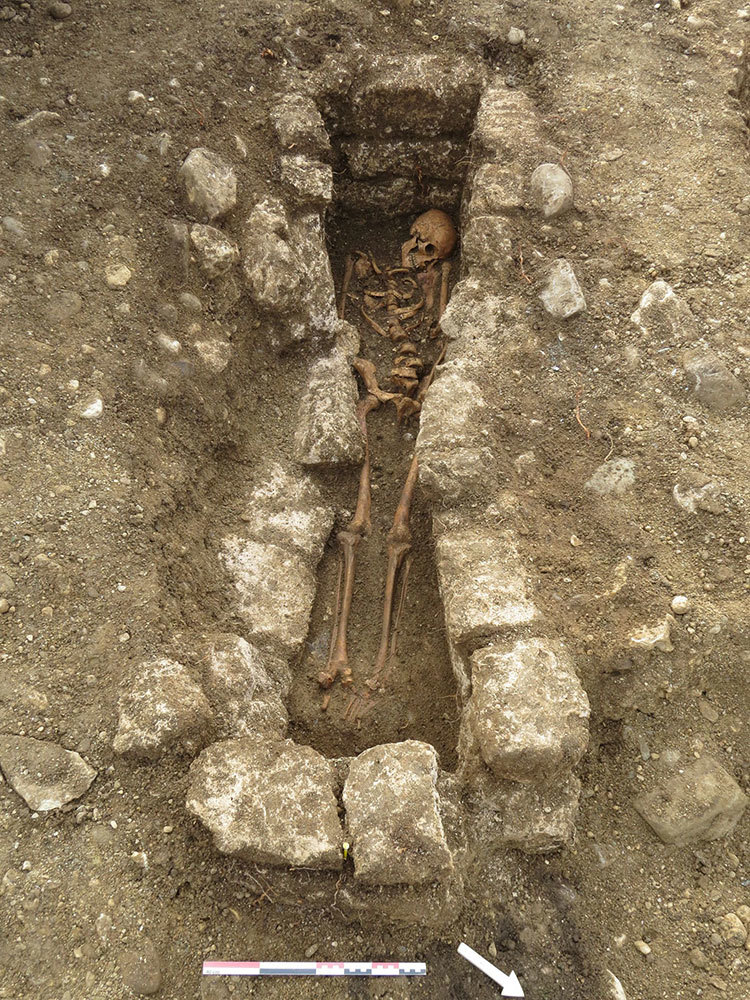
(107, 524)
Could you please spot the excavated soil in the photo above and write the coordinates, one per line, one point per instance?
(106, 525)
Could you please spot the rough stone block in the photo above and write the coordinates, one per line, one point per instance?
(162, 707)
(487, 245)
(210, 183)
(551, 190)
(393, 815)
(272, 272)
(497, 190)
(482, 583)
(328, 432)
(275, 591)
(309, 181)
(422, 94)
(661, 314)
(391, 196)
(562, 296)
(703, 802)
(286, 509)
(507, 128)
(475, 321)
(453, 442)
(287, 271)
(245, 688)
(538, 819)
(216, 253)
(298, 124)
(45, 775)
(527, 713)
(441, 158)
(268, 802)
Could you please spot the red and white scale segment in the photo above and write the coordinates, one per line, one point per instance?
(314, 969)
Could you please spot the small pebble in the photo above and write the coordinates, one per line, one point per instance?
(59, 11)
(516, 36)
(309, 952)
(698, 959)
(4, 606)
(680, 604)
(708, 711)
(743, 912)
(118, 275)
(643, 948)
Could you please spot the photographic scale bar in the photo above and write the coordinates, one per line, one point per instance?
(314, 969)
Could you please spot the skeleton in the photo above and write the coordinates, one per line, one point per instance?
(432, 239)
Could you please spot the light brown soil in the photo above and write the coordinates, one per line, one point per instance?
(106, 525)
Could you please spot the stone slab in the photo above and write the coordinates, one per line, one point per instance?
(161, 708)
(393, 815)
(328, 432)
(528, 713)
(274, 591)
(286, 509)
(269, 802)
(482, 583)
(703, 802)
(44, 774)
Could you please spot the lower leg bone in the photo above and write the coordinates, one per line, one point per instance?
(349, 539)
(399, 545)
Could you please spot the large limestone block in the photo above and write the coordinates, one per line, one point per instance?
(453, 441)
(287, 509)
(393, 815)
(482, 583)
(487, 246)
(507, 128)
(245, 687)
(210, 183)
(538, 819)
(328, 432)
(45, 775)
(275, 590)
(309, 182)
(270, 802)
(162, 707)
(442, 158)
(476, 321)
(528, 712)
(287, 271)
(394, 196)
(298, 124)
(424, 94)
(497, 190)
(703, 802)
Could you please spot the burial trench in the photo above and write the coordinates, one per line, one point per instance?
(380, 186)
(382, 809)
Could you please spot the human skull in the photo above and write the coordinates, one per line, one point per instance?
(433, 237)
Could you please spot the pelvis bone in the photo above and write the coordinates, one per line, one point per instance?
(433, 237)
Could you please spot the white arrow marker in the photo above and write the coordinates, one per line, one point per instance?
(511, 986)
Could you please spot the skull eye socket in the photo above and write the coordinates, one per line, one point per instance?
(429, 248)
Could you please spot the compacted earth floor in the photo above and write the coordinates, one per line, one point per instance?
(115, 455)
